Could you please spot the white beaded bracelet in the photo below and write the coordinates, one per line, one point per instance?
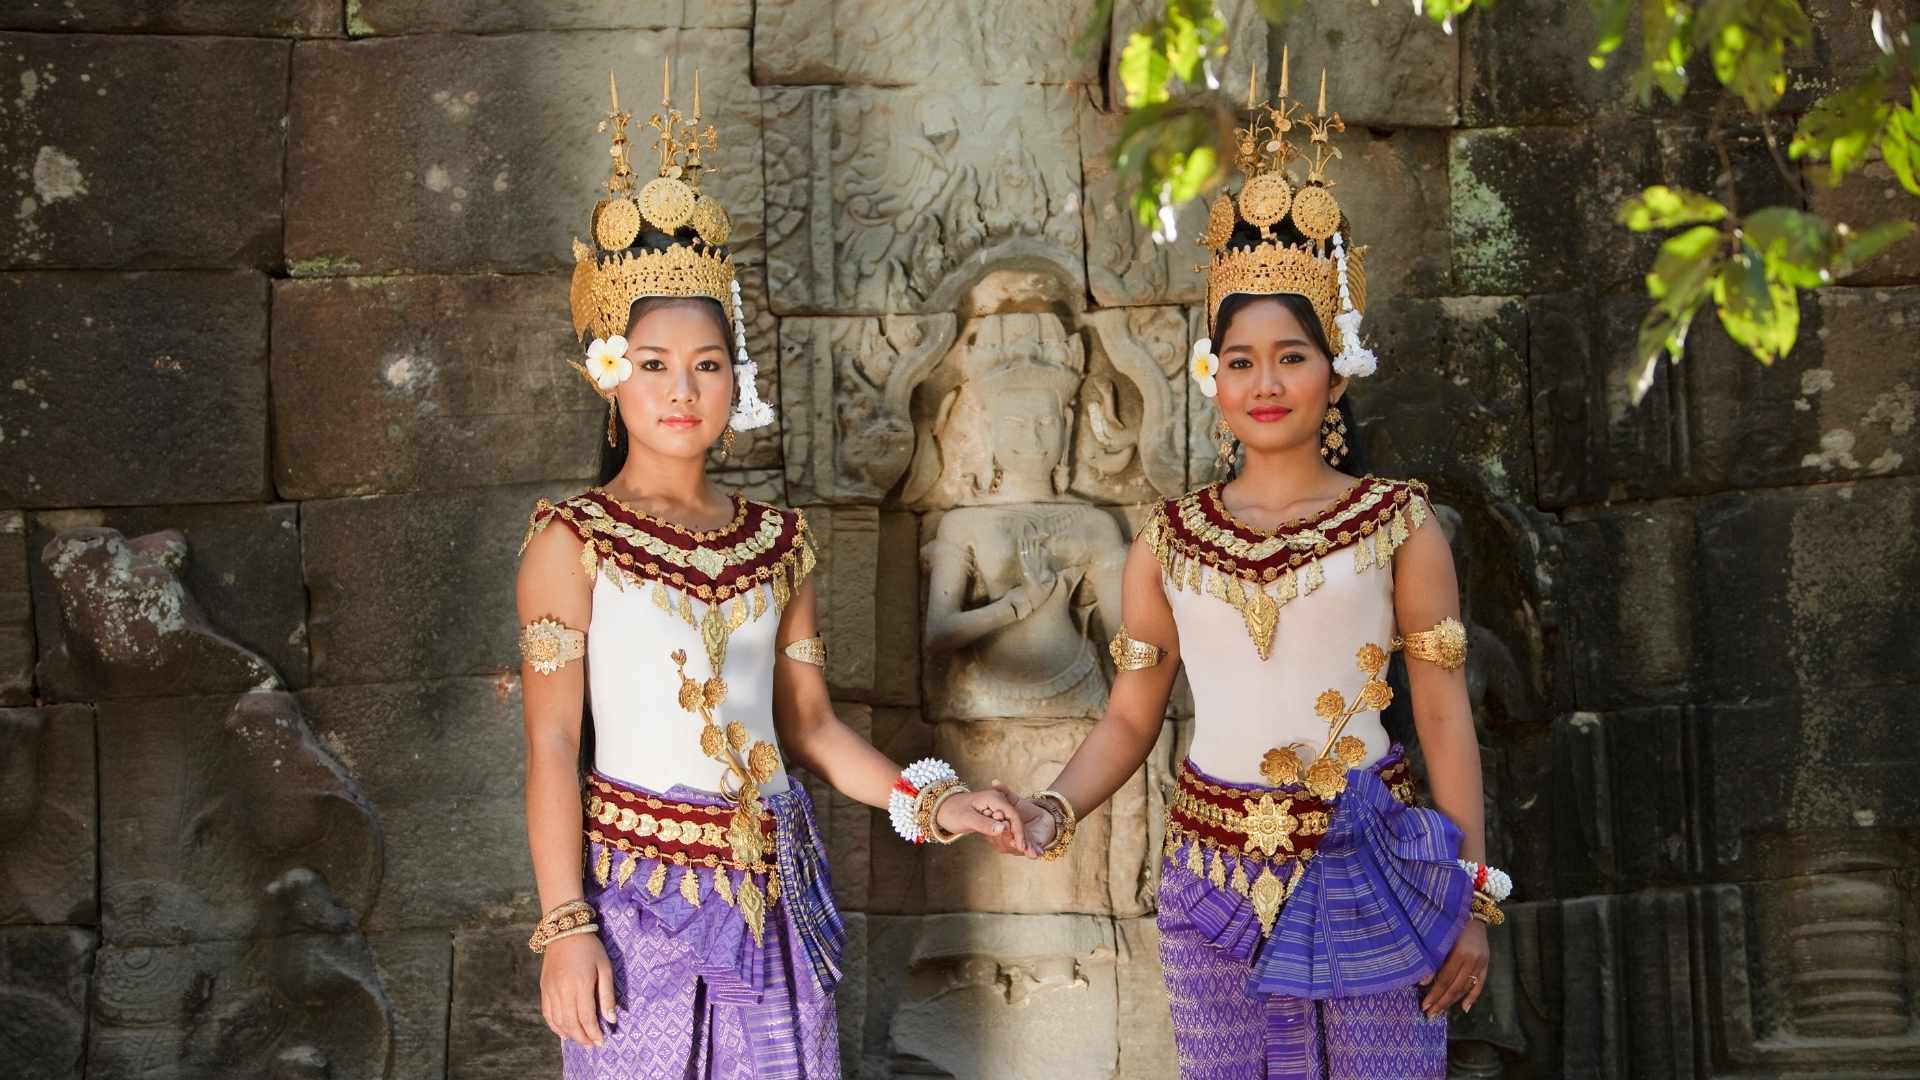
(1495, 883)
(913, 780)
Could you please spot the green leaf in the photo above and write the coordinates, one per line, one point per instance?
(1861, 247)
(1841, 126)
(1278, 12)
(1662, 207)
(1798, 248)
(1144, 70)
(1678, 285)
(1900, 144)
(1761, 315)
(1682, 269)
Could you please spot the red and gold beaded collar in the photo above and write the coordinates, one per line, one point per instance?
(762, 544)
(1258, 571)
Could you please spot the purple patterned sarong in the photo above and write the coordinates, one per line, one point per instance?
(697, 997)
(1331, 993)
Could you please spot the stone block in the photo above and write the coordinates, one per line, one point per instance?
(45, 972)
(49, 868)
(1105, 871)
(1857, 385)
(1513, 234)
(1630, 800)
(16, 612)
(1125, 264)
(164, 375)
(1407, 75)
(366, 17)
(482, 155)
(300, 1005)
(843, 41)
(889, 948)
(1803, 783)
(1625, 647)
(1868, 196)
(416, 975)
(239, 18)
(128, 627)
(1805, 589)
(851, 998)
(1591, 441)
(1129, 424)
(371, 397)
(382, 611)
(455, 833)
(1526, 63)
(1442, 362)
(1010, 995)
(495, 1028)
(242, 569)
(847, 386)
(903, 200)
(224, 818)
(1145, 1023)
(1393, 185)
(107, 161)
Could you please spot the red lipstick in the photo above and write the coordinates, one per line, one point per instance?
(1267, 414)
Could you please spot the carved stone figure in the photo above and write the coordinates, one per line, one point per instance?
(1021, 581)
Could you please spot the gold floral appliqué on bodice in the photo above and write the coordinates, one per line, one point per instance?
(1260, 571)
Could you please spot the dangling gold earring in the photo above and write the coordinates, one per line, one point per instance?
(1224, 432)
(726, 443)
(1333, 436)
(613, 416)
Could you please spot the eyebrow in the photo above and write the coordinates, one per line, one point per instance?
(1282, 341)
(662, 348)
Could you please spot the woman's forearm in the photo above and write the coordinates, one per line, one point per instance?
(1112, 752)
(554, 820)
(1453, 771)
(834, 752)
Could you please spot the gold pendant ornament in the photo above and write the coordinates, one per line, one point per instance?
(1224, 432)
(1333, 437)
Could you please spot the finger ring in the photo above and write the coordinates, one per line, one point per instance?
(1474, 979)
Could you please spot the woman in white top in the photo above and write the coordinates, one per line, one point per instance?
(689, 927)
(1314, 922)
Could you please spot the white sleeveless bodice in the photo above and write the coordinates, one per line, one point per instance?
(1244, 705)
(1328, 581)
(641, 734)
(668, 602)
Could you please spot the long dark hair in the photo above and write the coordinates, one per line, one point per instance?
(1355, 463)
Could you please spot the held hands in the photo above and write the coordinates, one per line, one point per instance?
(989, 813)
(1036, 829)
(576, 983)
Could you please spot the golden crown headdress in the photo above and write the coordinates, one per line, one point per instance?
(610, 276)
(1318, 266)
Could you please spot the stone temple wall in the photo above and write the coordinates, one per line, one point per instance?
(284, 305)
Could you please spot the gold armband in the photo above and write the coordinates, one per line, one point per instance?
(1131, 655)
(547, 644)
(1445, 644)
(812, 650)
